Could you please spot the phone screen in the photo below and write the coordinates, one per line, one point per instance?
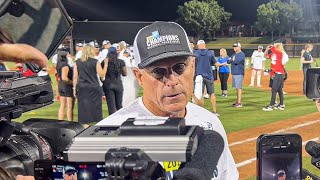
(280, 158)
(94, 171)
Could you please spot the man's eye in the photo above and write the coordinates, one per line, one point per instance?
(179, 68)
(159, 72)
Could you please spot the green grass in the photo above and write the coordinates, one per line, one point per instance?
(251, 114)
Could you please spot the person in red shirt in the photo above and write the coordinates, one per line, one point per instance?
(277, 75)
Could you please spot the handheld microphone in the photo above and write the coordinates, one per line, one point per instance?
(313, 149)
(203, 164)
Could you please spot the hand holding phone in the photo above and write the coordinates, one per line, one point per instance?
(279, 157)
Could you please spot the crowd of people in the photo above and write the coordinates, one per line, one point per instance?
(92, 75)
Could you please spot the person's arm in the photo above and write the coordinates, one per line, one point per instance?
(304, 57)
(252, 56)
(238, 59)
(22, 53)
(124, 71)
(278, 54)
(64, 75)
(75, 79)
(102, 71)
(214, 61)
(266, 52)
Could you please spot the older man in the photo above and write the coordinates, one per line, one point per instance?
(165, 71)
(237, 71)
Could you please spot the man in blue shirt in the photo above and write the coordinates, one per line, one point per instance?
(237, 70)
(204, 60)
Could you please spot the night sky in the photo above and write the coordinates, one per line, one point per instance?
(150, 10)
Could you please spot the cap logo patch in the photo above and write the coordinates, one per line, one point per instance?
(156, 40)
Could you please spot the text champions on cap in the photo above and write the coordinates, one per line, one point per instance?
(156, 40)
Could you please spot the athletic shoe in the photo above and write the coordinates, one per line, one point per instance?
(238, 105)
(251, 85)
(215, 113)
(280, 107)
(259, 85)
(206, 96)
(268, 108)
(225, 95)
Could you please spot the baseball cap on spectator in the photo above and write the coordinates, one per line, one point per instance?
(116, 45)
(80, 45)
(112, 50)
(236, 45)
(105, 42)
(91, 43)
(159, 41)
(200, 42)
(260, 47)
(96, 45)
(69, 169)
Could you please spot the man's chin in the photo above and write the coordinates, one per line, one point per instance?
(176, 108)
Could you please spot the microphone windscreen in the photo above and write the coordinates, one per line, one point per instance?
(189, 174)
(313, 148)
(203, 164)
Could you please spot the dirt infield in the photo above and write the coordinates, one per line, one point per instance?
(243, 143)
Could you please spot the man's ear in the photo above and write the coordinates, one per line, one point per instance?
(137, 72)
(193, 61)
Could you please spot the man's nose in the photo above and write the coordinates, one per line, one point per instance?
(172, 80)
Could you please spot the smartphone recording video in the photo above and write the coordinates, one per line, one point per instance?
(279, 157)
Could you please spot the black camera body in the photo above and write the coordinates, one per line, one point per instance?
(313, 83)
(23, 143)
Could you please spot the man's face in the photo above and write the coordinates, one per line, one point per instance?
(167, 85)
(70, 176)
(259, 49)
(236, 49)
(191, 46)
(202, 46)
(107, 46)
(282, 177)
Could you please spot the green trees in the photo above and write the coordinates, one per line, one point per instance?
(202, 18)
(278, 16)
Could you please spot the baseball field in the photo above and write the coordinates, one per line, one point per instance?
(244, 125)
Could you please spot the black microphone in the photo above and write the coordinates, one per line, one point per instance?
(313, 148)
(203, 164)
